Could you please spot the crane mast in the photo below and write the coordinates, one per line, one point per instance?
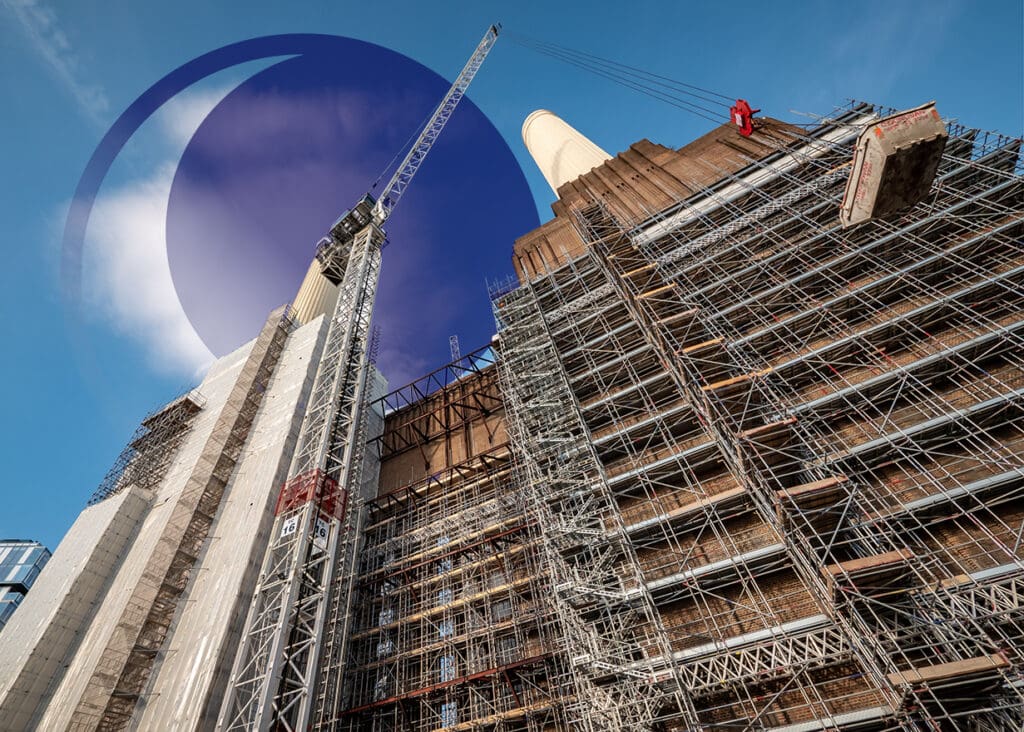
(289, 667)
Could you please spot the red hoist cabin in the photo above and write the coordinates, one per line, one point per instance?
(743, 116)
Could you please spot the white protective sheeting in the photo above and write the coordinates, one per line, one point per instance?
(41, 637)
(187, 685)
(216, 387)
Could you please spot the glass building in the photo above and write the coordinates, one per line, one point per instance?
(20, 564)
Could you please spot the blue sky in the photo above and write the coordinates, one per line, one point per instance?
(76, 386)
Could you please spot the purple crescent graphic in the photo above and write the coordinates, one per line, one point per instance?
(282, 155)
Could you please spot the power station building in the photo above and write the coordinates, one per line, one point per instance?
(726, 465)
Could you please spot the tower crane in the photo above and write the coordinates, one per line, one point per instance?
(289, 666)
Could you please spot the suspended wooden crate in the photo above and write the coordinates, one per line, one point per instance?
(894, 164)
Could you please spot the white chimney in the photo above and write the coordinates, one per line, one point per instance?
(560, 151)
(316, 296)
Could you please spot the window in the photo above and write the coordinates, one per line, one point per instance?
(501, 610)
(507, 648)
(385, 648)
(449, 714)
(380, 689)
(447, 668)
(444, 564)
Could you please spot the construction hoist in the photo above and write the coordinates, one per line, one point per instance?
(289, 667)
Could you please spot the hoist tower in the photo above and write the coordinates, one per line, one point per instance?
(289, 667)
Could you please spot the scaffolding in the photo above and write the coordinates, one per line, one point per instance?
(144, 460)
(775, 464)
(452, 628)
(290, 671)
(288, 668)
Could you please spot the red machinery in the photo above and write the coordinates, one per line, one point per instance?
(743, 116)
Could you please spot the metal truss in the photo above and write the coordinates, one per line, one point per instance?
(290, 666)
(275, 669)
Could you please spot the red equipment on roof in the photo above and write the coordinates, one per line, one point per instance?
(743, 116)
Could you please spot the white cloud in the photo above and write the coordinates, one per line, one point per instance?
(182, 115)
(128, 278)
(43, 30)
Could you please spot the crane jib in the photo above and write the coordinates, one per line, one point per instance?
(332, 249)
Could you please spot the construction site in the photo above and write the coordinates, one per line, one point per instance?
(735, 459)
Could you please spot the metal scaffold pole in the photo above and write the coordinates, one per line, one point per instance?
(808, 438)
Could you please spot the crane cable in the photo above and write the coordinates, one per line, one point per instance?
(662, 88)
(676, 93)
(723, 99)
(631, 81)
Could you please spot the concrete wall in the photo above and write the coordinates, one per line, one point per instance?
(560, 151)
(42, 636)
(316, 296)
